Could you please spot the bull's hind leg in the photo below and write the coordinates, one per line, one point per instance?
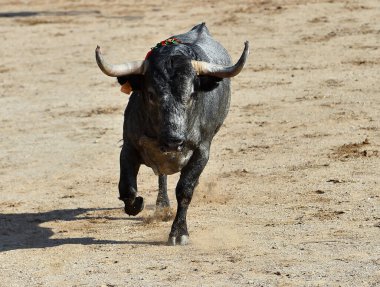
(162, 197)
(129, 167)
(184, 192)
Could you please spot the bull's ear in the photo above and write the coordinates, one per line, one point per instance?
(206, 83)
(135, 81)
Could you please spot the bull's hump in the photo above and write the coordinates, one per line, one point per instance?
(201, 28)
(198, 33)
(162, 162)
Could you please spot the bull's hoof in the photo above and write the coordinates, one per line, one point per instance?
(179, 240)
(134, 207)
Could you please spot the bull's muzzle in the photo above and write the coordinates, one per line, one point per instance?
(170, 144)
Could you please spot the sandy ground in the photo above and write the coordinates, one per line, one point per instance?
(291, 194)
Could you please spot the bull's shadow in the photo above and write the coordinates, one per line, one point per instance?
(23, 230)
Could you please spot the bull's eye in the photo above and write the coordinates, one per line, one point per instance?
(193, 96)
(150, 97)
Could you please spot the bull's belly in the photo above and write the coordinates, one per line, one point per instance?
(162, 162)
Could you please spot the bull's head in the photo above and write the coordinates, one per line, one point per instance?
(169, 86)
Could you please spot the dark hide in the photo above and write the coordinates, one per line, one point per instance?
(170, 121)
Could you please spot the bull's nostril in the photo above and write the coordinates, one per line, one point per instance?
(172, 144)
(180, 146)
(177, 143)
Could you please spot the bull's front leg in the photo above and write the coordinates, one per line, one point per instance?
(129, 167)
(184, 192)
(162, 197)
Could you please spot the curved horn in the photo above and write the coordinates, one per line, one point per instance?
(204, 68)
(133, 67)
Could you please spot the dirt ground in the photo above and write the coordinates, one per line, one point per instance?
(290, 196)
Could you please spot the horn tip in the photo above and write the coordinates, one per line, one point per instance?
(97, 48)
(246, 46)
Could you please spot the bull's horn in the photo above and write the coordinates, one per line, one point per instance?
(133, 67)
(204, 68)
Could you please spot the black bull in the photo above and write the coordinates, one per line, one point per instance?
(181, 96)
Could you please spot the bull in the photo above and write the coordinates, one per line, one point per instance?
(180, 98)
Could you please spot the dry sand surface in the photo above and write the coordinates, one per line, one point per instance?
(290, 196)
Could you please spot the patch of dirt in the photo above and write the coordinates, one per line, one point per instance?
(355, 150)
(4, 69)
(160, 215)
(41, 21)
(362, 62)
(327, 214)
(93, 112)
(209, 191)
